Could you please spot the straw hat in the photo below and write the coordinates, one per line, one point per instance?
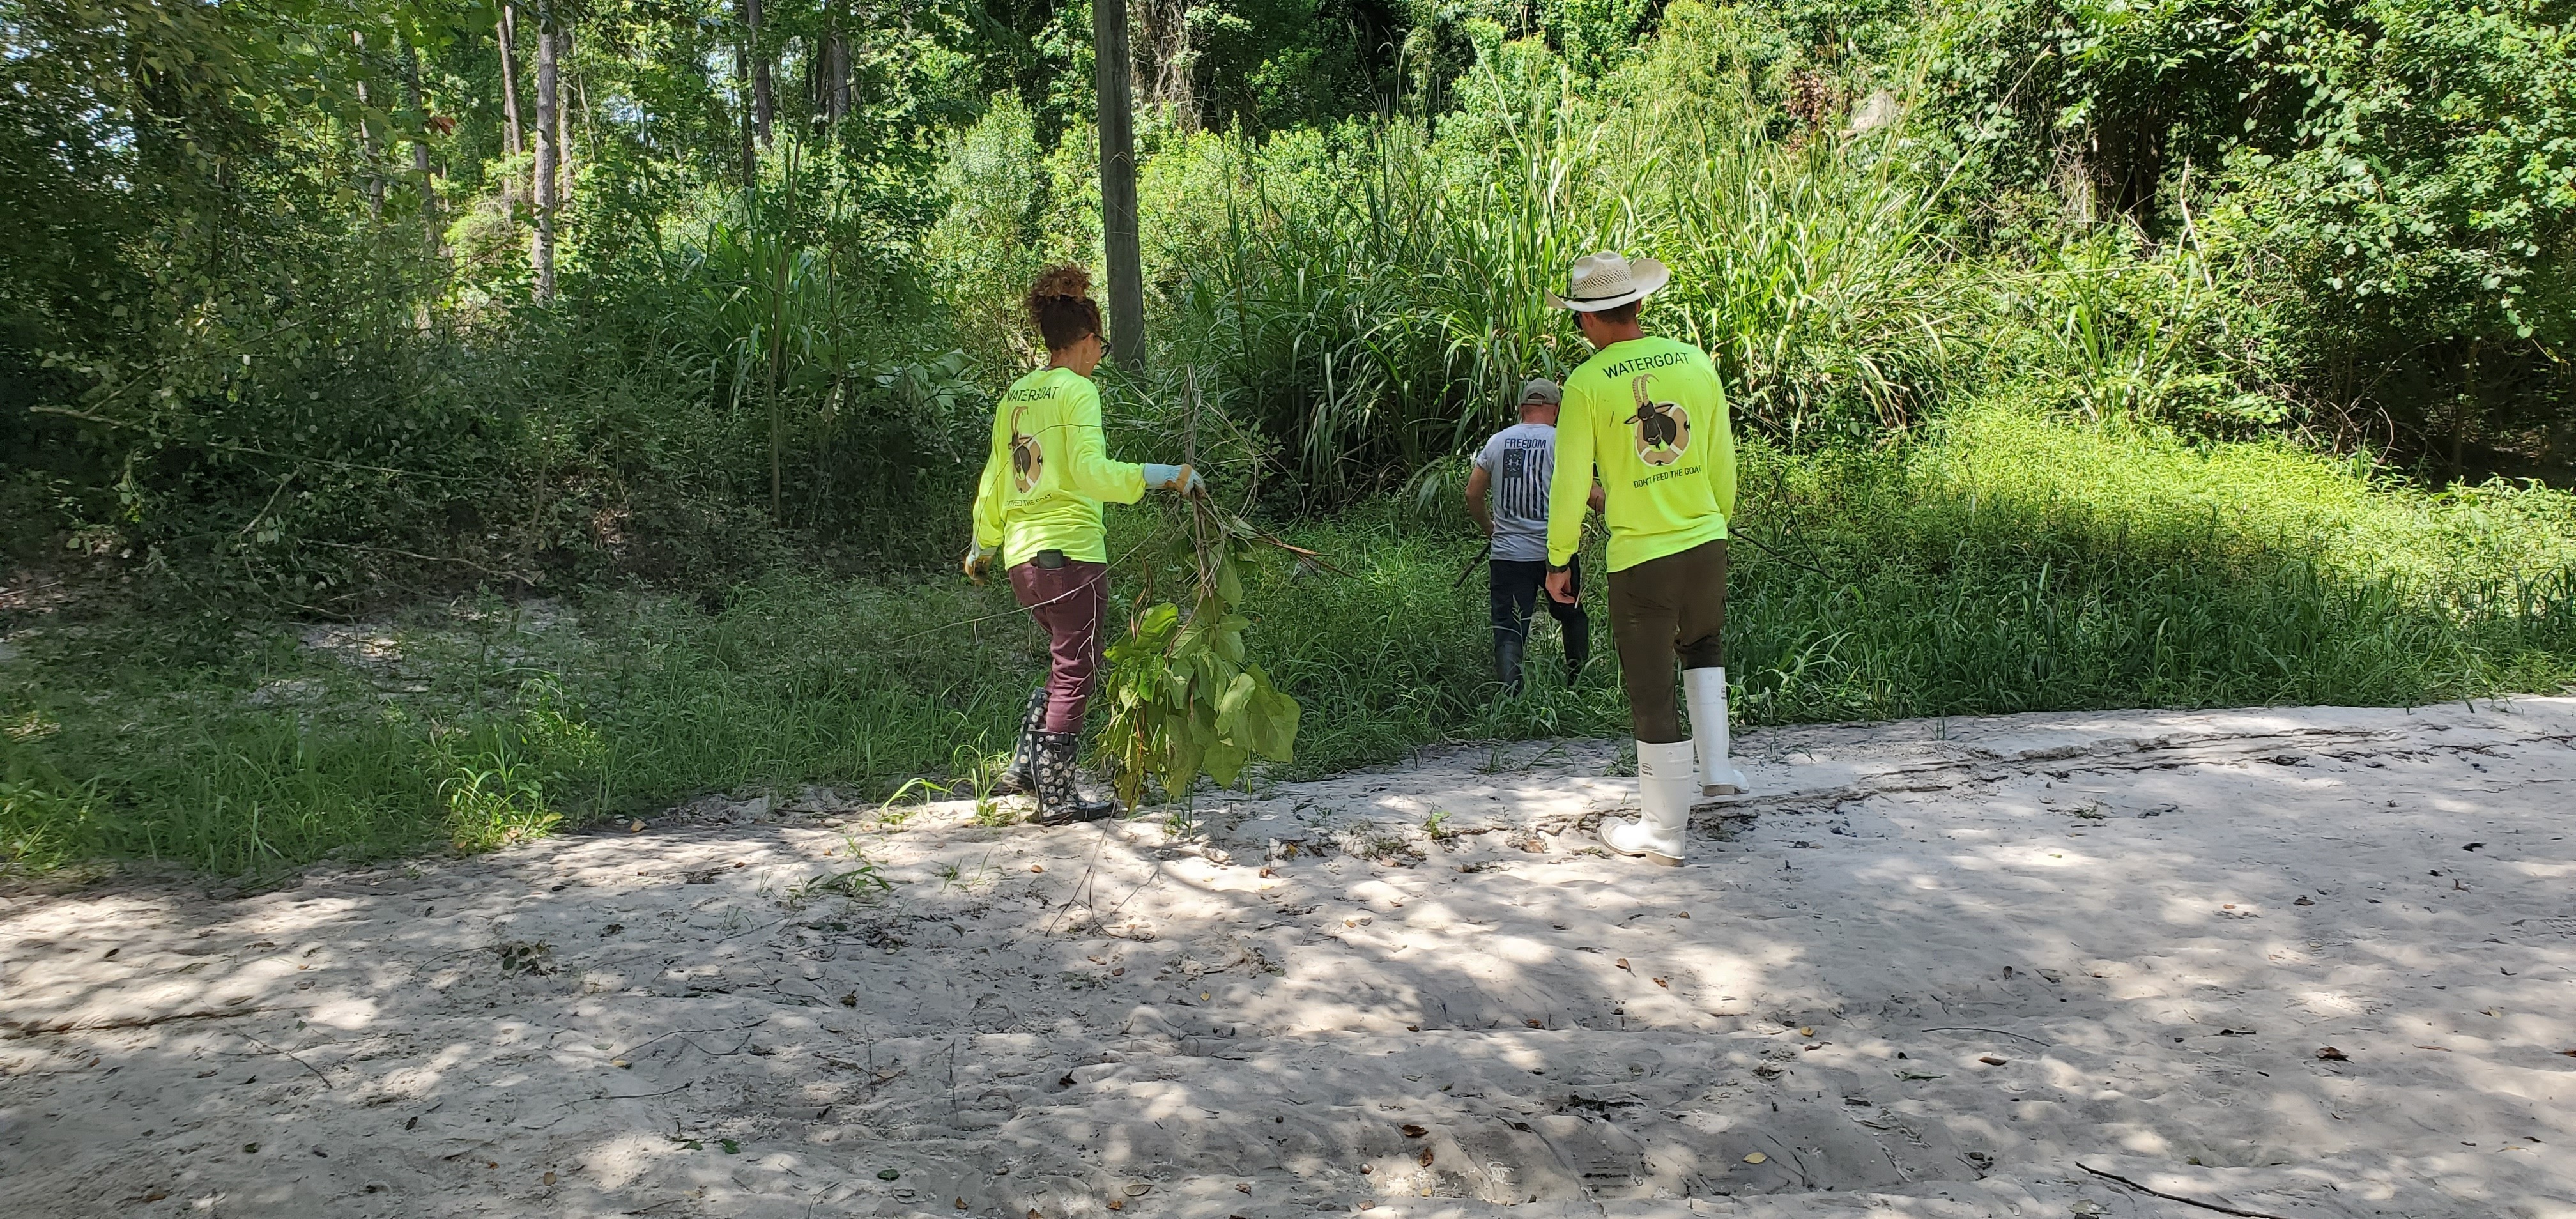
(1607, 281)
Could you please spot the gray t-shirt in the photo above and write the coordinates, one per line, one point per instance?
(1522, 460)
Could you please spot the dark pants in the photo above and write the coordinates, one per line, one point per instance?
(1070, 602)
(1517, 584)
(1675, 605)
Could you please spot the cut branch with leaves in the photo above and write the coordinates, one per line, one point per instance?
(1185, 697)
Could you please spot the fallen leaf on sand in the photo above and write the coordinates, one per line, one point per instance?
(1991, 1060)
(1138, 1189)
(1623, 964)
(887, 1174)
(1118, 971)
(1412, 1131)
(1037, 867)
(548, 1179)
(2331, 1054)
(634, 827)
(1243, 1187)
(620, 1063)
(1536, 1024)
(1808, 1031)
(1666, 983)
(1117, 1204)
(1755, 1158)
(961, 1204)
(2442, 1049)
(1426, 1157)
(2569, 1053)
(2304, 901)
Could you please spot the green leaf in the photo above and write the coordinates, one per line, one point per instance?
(1182, 769)
(1230, 705)
(1271, 727)
(1225, 762)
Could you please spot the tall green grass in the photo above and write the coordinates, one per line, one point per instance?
(2002, 562)
(1369, 297)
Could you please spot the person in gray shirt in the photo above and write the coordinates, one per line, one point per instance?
(1513, 471)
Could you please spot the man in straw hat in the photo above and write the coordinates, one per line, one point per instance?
(1649, 412)
(1514, 471)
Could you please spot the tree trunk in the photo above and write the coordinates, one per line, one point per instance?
(420, 142)
(837, 95)
(1171, 62)
(508, 37)
(764, 99)
(835, 102)
(370, 174)
(541, 253)
(563, 122)
(1115, 66)
(750, 158)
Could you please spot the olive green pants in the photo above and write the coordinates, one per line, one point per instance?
(1660, 609)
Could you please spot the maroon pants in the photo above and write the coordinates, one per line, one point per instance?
(1070, 602)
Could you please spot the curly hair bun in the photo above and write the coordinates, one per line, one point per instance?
(1060, 305)
(1066, 280)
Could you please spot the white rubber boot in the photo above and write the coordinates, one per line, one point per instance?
(1665, 777)
(1704, 690)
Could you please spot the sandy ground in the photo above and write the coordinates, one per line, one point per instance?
(2029, 966)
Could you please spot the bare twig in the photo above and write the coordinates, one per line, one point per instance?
(290, 1055)
(1738, 536)
(2221, 1208)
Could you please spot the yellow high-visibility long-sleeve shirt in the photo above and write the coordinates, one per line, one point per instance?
(1651, 414)
(1048, 472)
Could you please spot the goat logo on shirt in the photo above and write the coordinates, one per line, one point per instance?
(1028, 460)
(1662, 428)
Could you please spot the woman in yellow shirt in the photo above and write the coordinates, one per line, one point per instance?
(1038, 507)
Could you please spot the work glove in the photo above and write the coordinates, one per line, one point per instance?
(978, 564)
(1174, 478)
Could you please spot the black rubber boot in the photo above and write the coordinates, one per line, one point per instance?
(1508, 649)
(1060, 802)
(1022, 774)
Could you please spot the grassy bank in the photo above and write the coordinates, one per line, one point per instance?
(1997, 563)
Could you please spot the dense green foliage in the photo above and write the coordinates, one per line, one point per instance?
(266, 328)
(2009, 565)
(2088, 354)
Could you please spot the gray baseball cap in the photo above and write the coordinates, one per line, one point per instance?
(1540, 389)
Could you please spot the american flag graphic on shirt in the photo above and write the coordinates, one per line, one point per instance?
(1522, 460)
